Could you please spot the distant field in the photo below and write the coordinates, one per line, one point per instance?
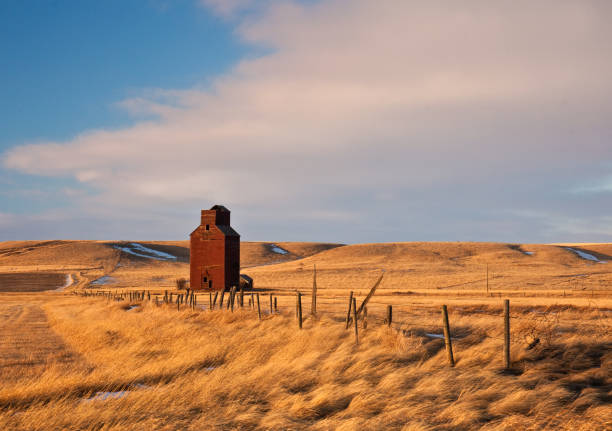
(30, 281)
(126, 263)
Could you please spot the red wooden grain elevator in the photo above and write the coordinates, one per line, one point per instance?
(214, 252)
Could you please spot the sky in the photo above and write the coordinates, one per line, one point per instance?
(346, 121)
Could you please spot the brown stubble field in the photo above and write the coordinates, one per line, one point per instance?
(187, 369)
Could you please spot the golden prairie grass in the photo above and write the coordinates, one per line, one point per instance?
(221, 370)
(415, 269)
(444, 267)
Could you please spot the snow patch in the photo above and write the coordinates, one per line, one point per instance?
(132, 307)
(441, 336)
(103, 280)
(277, 249)
(585, 256)
(113, 395)
(67, 283)
(140, 250)
(529, 253)
(103, 396)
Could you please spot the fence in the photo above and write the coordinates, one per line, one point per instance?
(398, 318)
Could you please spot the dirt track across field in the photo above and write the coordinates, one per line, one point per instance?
(27, 343)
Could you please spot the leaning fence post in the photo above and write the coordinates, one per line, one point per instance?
(354, 306)
(258, 308)
(348, 313)
(214, 301)
(299, 309)
(389, 315)
(506, 334)
(365, 317)
(447, 337)
(221, 299)
(370, 293)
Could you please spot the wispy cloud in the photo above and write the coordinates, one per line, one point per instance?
(492, 101)
(228, 8)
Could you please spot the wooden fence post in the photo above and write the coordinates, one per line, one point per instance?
(178, 303)
(221, 299)
(214, 301)
(348, 313)
(365, 318)
(370, 293)
(447, 337)
(232, 298)
(252, 300)
(299, 308)
(313, 306)
(389, 315)
(507, 334)
(258, 308)
(354, 306)
(271, 308)
(241, 296)
(275, 305)
(210, 299)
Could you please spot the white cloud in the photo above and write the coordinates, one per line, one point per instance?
(360, 99)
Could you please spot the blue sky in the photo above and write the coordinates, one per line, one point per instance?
(330, 120)
(66, 64)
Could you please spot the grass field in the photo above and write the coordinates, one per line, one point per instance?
(72, 362)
